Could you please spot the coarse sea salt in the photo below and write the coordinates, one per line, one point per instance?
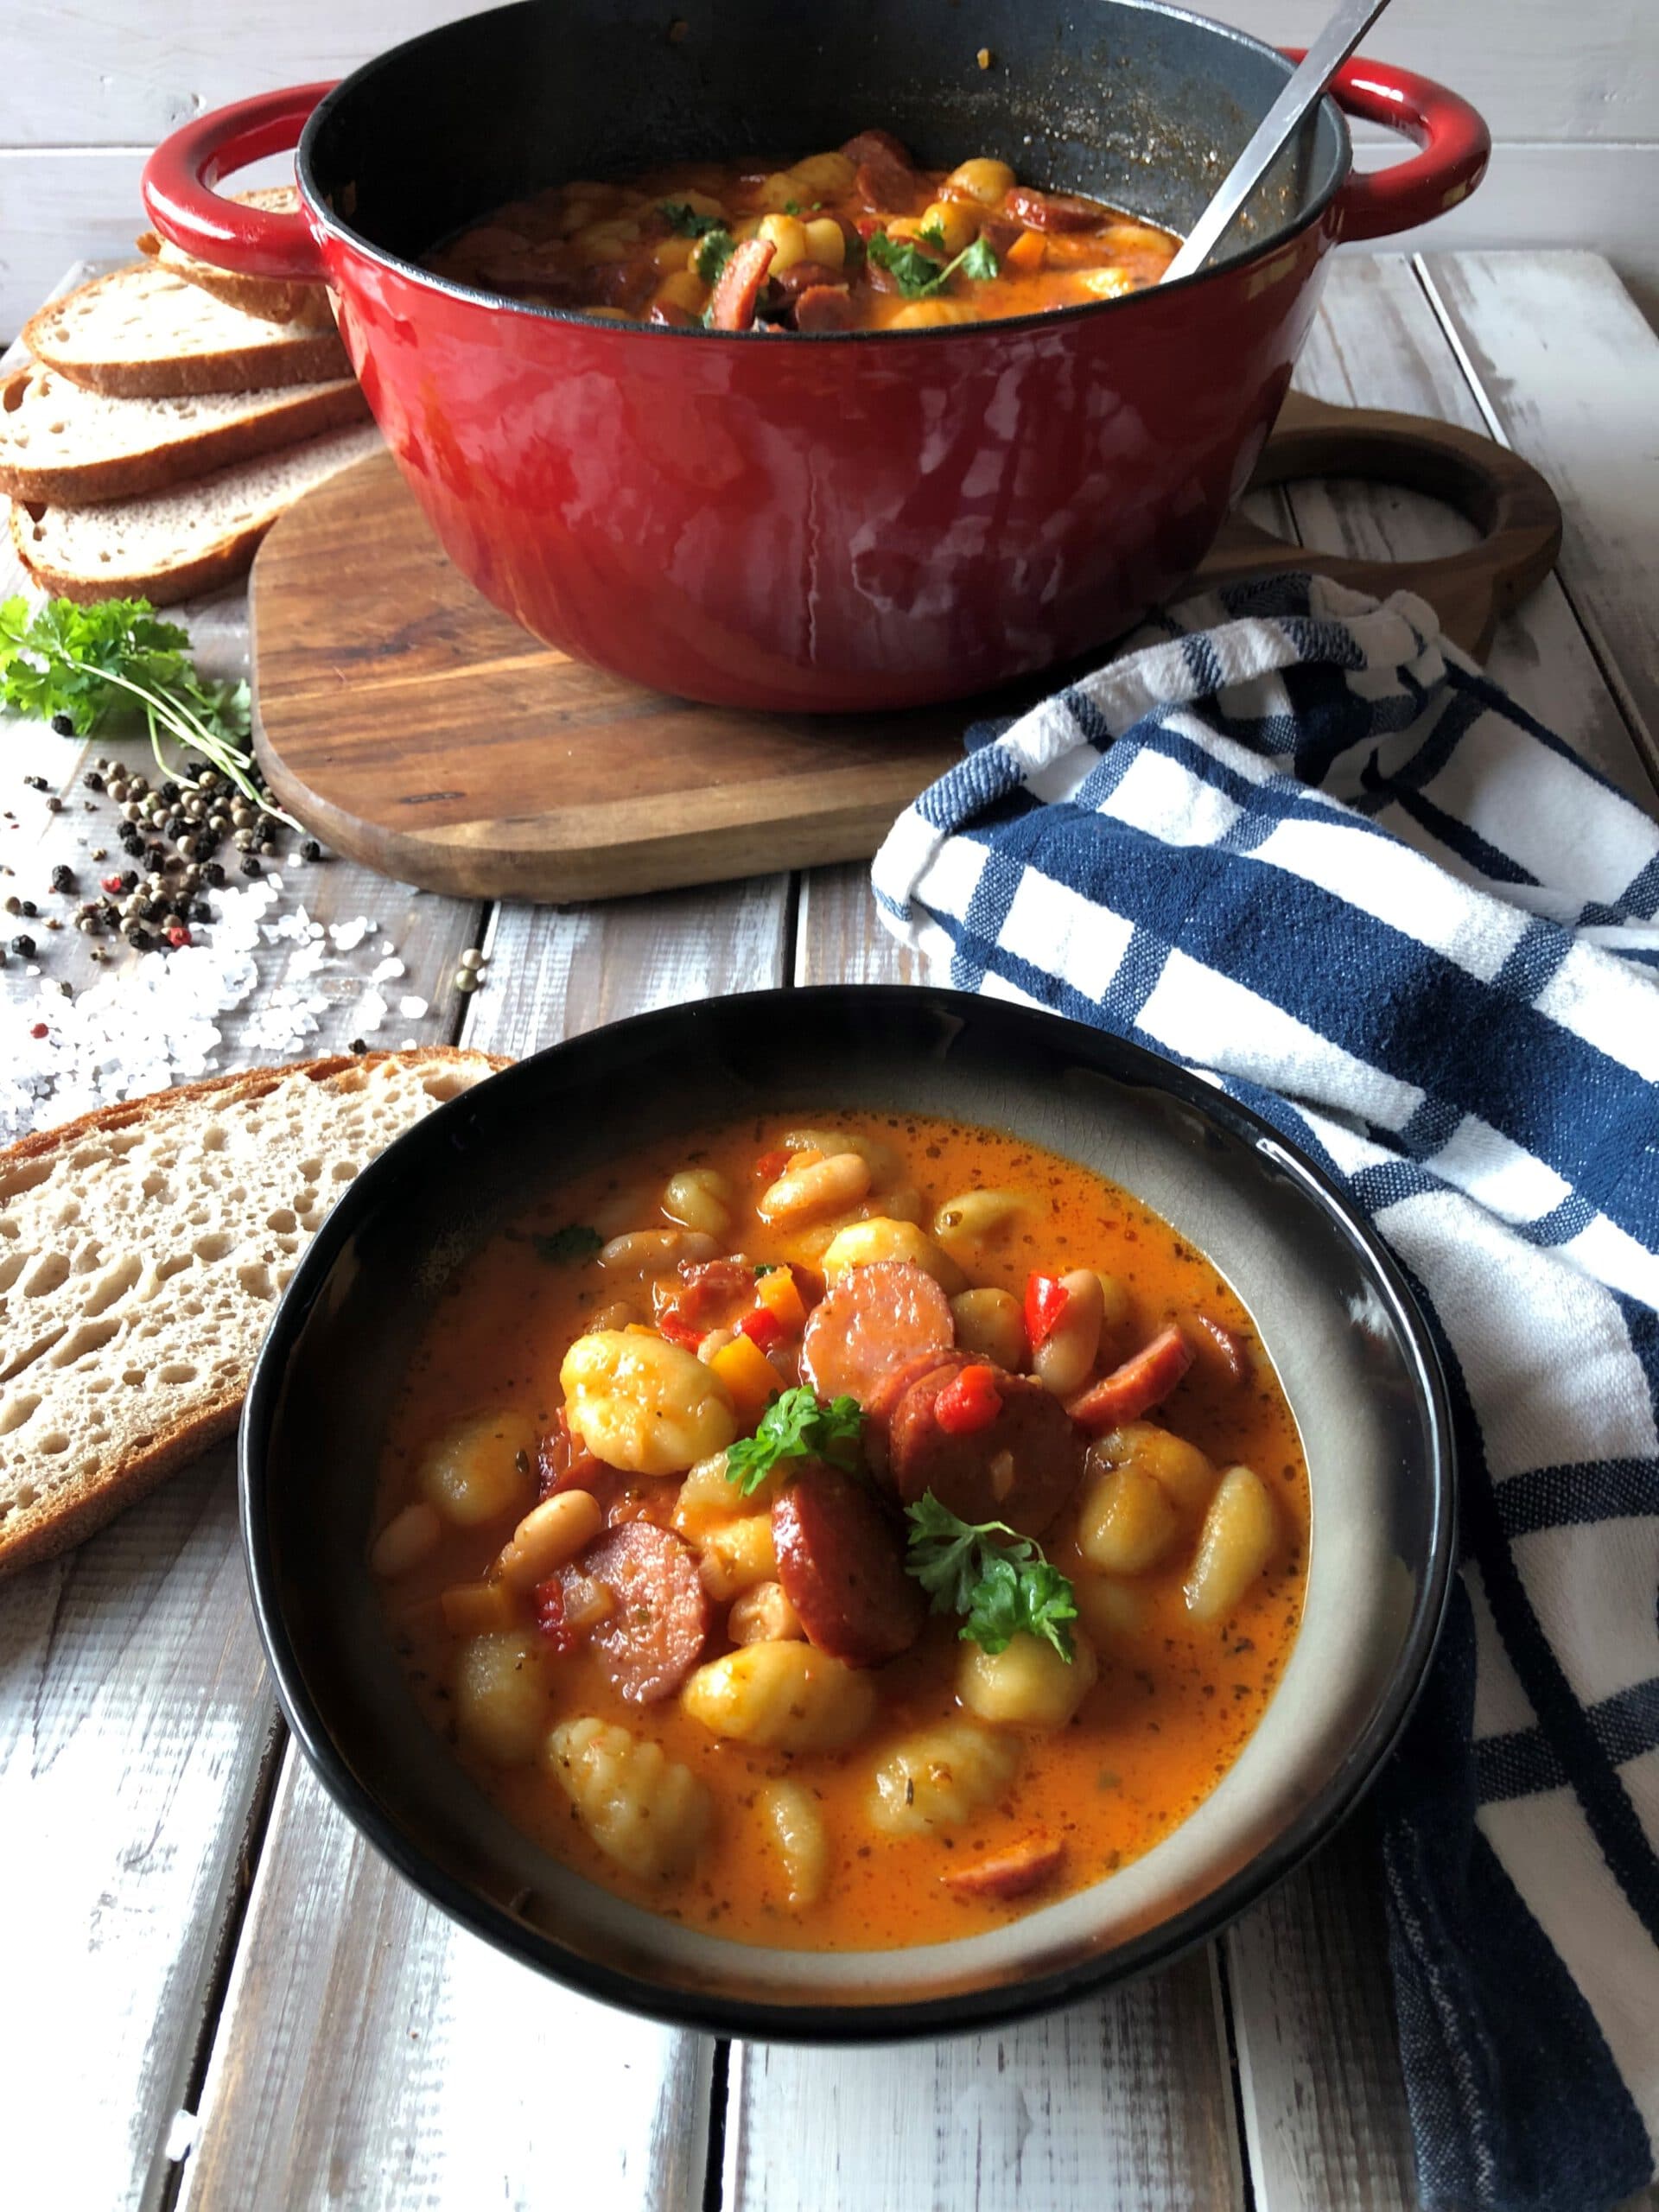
(162, 1019)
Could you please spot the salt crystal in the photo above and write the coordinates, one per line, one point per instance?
(371, 1010)
(349, 935)
(407, 1045)
(387, 970)
(412, 1008)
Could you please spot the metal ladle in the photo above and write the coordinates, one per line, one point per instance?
(1304, 93)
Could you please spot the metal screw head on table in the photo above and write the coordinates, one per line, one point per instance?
(1279, 126)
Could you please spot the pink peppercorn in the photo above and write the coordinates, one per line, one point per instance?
(39, 1030)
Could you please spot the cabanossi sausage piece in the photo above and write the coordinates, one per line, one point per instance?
(886, 181)
(825, 307)
(841, 1562)
(1143, 1381)
(654, 1634)
(1013, 1873)
(732, 303)
(868, 1322)
(1054, 211)
(1020, 1467)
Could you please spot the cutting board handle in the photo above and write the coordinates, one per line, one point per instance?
(1506, 499)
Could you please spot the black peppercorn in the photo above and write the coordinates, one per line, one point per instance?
(27, 906)
(250, 867)
(92, 780)
(359, 1045)
(53, 804)
(109, 915)
(213, 873)
(200, 910)
(63, 726)
(24, 947)
(169, 791)
(63, 879)
(37, 783)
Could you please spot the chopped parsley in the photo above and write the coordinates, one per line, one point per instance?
(684, 219)
(1001, 1590)
(795, 1427)
(559, 1247)
(765, 1268)
(713, 252)
(917, 275)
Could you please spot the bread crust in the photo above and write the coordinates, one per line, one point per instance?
(267, 299)
(26, 1535)
(218, 563)
(162, 466)
(267, 360)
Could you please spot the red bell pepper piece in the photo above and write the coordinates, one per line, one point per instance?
(737, 288)
(1046, 1299)
(762, 1328)
(770, 1164)
(672, 1324)
(970, 1401)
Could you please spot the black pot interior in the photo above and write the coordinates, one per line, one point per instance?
(1141, 105)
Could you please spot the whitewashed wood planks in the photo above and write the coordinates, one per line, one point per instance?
(1568, 373)
(370, 2051)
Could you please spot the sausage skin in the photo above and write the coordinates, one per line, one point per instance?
(1013, 1873)
(1144, 1380)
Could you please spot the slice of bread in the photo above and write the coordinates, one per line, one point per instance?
(142, 332)
(170, 545)
(141, 1252)
(62, 445)
(272, 299)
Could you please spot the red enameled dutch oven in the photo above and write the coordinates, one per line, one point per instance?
(845, 521)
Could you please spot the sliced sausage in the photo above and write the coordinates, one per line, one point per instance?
(1220, 1350)
(654, 1634)
(882, 1402)
(868, 1322)
(564, 1461)
(790, 283)
(737, 288)
(885, 179)
(841, 1560)
(1143, 1381)
(1019, 1468)
(1054, 211)
(825, 307)
(1014, 1872)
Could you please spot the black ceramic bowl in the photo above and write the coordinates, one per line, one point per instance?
(1349, 1348)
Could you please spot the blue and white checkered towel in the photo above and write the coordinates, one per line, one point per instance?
(1297, 840)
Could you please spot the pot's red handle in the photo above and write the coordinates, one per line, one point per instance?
(1456, 145)
(180, 177)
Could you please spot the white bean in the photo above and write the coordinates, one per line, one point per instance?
(699, 1199)
(881, 1159)
(1065, 1360)
(654, 1251)
(823, 1186)
(554, 1532)
(981, 1217)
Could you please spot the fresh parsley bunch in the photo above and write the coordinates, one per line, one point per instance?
(1001, 1590)
(77, 667)
(917, 275)
(795, 1427)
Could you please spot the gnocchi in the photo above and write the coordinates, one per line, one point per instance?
(941, 1778)
(1185, 1474)
(643, 1809)
(1126, 1523)
(1027, 1684)
(989, 1322)
(480, 1469)
(502, 1695)
(1237, 1542)
(797, 1828)
(862, 1243)
(643, 1404)
(784, 1697)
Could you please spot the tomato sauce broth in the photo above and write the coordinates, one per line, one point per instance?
(856, 240)
(1176, 1700)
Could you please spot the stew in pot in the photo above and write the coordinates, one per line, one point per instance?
(858, 240)
(842, 1537)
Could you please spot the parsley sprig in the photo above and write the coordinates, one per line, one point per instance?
(917, 275)
(712, 252)
(78, 667)
(684, 219)
(1001, 1590)
(795, 1427)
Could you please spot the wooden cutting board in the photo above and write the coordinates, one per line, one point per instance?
(413, 728)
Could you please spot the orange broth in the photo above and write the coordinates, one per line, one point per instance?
(1175, 1701)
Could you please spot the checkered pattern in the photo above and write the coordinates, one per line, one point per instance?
(1296, 840)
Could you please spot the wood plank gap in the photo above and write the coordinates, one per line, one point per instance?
(1244, 2108)
(714, 2172)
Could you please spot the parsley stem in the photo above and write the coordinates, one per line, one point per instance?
(187, 728)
